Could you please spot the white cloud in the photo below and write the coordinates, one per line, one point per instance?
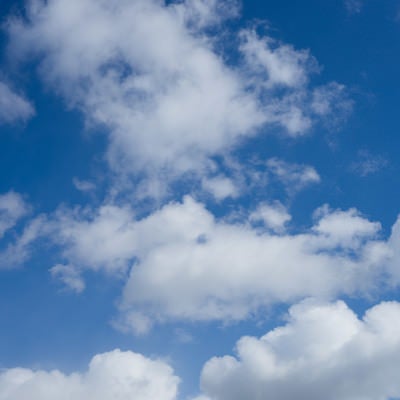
(323, 352)
(276, 64)
(220, 187)
(294, 176)
(69, 276)
(190, 266)
(104, 239)
(367, 163)
(83, 186)
(16, 252)
(344, 228)
(187, 265)
(13, 107)
(16, 248)
(115, 375)
(206, 13)
(274, 216)
(332, 100)
(166, 96)
(12, 208)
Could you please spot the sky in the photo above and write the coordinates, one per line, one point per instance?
(199, 200)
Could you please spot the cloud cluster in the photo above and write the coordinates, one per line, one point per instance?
(115, 375)
(175, 101)
(13, 107)
(152, 74)
(324, 351)
(186, 264)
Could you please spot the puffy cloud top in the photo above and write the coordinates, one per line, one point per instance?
(115, 375)
(323, 351)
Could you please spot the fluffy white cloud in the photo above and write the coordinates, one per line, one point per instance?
(323, 352)
(152, 76)
(111, 376)
(346, 229)
(273, 216)
(220, 187)
(104, 239)
(189, 265)
(13, 107)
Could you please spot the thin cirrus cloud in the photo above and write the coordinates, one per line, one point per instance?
(354, 6)
(12, 208)
(168, 99)
(293, 176)
(110, 376)
(323, 351)
(367, 163)
(13, 107)
(16, 249)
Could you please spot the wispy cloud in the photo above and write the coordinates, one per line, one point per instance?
(13, 107)
(368, 163)
(354, 6)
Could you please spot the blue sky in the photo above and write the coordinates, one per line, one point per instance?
(208, 186)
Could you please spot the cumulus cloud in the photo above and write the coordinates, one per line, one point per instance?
(220, 187)
(13, 107)
(167, 97)
(115, 375)
(103, 239)
(274, 216)
(198, 268)
(185, 264)
(323, 351)
(344, 228)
